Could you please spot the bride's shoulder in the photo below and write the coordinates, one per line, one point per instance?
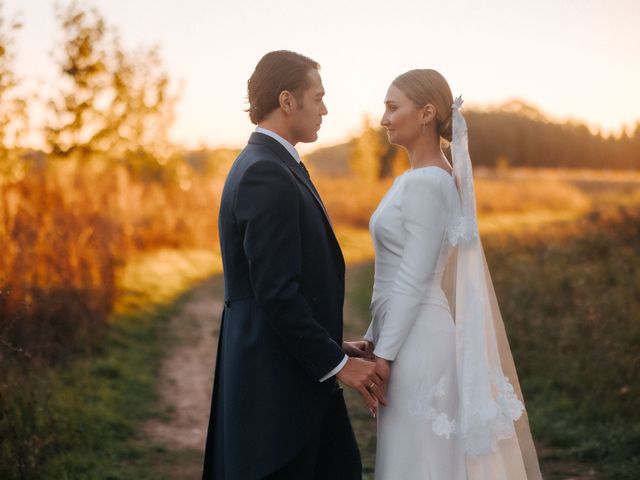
(429, 185)
(425, 176)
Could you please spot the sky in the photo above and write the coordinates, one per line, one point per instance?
(574, 59)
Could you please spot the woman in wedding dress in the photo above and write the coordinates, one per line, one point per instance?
(453, 409)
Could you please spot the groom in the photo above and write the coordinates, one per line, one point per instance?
(277, 411)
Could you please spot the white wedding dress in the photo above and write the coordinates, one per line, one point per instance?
(412, 326)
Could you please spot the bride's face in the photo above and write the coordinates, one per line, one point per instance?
(402, 119)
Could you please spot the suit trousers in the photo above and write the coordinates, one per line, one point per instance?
(331, 455)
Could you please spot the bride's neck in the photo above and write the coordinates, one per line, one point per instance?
(426, 152)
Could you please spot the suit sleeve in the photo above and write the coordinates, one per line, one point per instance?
(424, 222)
(267, 208)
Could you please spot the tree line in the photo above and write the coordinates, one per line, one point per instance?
(519, 134)
(514, 134)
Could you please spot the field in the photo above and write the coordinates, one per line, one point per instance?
(562, 247)
(570, 306)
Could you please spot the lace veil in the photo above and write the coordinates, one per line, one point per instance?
(492, 422)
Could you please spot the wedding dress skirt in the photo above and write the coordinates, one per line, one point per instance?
(422, 395)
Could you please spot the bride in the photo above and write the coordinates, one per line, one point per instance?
(454, 402)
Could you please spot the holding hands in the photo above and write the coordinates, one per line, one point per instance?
(365, 373)
(359, 349)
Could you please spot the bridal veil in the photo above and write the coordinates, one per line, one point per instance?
(492, 423)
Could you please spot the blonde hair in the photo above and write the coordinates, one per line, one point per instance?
(424, 86)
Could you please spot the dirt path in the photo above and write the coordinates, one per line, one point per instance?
(186, 383)
(187, 378)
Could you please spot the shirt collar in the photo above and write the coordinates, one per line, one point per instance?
(282, 141)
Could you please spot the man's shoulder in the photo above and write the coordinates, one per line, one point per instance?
(258, 161)
(257, 157)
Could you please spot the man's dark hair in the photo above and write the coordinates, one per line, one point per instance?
(275, 72)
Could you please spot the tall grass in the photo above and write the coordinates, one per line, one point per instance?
(65, 229)
(81, 421)
(352, 201)
(571, 307)
(71, 236)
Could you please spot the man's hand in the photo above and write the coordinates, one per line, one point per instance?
(359, 349)
(361, 375)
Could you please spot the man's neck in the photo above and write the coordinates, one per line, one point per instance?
(283, 141)
(277, 127)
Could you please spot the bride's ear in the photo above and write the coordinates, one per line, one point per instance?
(428, 113)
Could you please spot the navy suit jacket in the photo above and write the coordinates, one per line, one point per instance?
(282, 321)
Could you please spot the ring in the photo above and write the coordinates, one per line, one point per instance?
(373, 384)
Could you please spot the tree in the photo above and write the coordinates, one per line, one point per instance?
(364, 161)
(77, 113)
(13, 108)
(116, 104)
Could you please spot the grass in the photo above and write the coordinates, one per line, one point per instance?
(82, 420)
(500, 194)
(570, 305)
(571, 322)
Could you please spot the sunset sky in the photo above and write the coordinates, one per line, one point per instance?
(575, 59)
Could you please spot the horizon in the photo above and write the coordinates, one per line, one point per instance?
(310, 148)
(496, 52)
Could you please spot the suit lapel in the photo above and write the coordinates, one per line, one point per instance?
(296, 169)
(293, 165)
(300, 175)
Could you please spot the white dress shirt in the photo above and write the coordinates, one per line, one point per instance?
(290, 148)
(294, 153)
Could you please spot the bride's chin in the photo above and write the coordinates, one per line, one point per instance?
(392, 140)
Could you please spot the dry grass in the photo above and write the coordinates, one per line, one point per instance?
(78, 242)
(65, 229)
(350, 201)
(516, 195)
(507, 202)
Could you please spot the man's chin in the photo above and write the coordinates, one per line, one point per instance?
(311, 138)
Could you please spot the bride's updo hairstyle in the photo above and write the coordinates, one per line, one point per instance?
(424, 86)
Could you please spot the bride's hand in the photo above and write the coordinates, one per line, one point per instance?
(383, 369)
(361, 375)
(360, 349)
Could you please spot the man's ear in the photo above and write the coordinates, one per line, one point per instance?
(287, 101)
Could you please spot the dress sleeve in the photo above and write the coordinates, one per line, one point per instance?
(424, 213)
(368, 336)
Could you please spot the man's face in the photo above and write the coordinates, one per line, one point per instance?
(309, 109)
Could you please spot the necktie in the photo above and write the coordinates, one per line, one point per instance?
(305, 169)
(313, 188)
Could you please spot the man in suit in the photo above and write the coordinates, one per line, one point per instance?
(277, 411)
